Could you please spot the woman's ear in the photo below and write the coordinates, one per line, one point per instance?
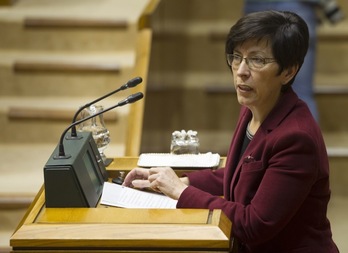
(289, 73)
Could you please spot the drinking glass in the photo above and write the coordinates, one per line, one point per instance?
(96, 125)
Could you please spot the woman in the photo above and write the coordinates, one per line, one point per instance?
(276, 180)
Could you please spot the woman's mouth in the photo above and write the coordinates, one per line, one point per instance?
(244, 88)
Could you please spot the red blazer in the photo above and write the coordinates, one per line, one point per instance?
(277, 194)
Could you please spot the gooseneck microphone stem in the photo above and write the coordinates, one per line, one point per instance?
(130, 99)
(131, 83)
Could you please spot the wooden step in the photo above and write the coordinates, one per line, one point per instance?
(6, 2)
(46, 22)
(96, 26)
(318, 90)
(80, 74)
(55, 39)
(36, 119)
(15, 201)
(40, 66)
(326, 32)
(333, 33)
(113, 61)
(26, 113)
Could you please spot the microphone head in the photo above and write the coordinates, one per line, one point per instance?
(135, 97)
(134, 82)
(131, 99)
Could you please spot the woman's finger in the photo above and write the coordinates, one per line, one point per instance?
(141, 183)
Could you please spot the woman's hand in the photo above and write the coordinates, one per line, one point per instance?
(165, 180)
(159, 179)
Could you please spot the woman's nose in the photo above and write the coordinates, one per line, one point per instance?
(243, 68)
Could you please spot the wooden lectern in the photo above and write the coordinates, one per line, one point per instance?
(111, 229)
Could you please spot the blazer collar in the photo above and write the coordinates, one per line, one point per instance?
(284, 106)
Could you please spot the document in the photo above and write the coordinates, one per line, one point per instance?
(121, 196)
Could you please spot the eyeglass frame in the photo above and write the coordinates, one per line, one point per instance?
(231, 57)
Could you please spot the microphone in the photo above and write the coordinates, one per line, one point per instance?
(130, 84)
(130, 99)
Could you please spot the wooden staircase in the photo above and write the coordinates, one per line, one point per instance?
(56, 56)
(187, 84)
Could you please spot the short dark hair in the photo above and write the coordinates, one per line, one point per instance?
(286, 31)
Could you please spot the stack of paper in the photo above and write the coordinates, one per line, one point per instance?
(207, 160)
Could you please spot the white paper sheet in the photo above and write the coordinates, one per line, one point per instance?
(121, 196)
(203, 160)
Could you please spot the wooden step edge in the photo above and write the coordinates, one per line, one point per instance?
(334, 37)
(146, 17)
(336, 152)
(15, 201)
(332, 90)
(35, 66)
(50, 22)
(327, 35)
(26, 113)
(318, 90)
(5, 249)
(6, 3)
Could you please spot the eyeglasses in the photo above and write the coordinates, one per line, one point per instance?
(234, 60)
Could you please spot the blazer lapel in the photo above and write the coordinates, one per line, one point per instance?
(234, 164)
(233, 157)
